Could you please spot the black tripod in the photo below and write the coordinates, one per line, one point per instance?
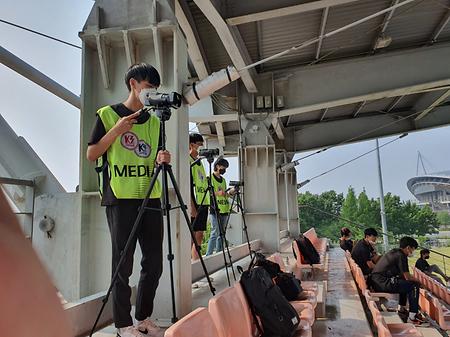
(163, 114)
(238, 200)
(215, 208)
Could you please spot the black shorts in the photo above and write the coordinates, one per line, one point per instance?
(199, 223)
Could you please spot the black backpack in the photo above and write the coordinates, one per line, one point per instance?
(308, 250)
(289, 285)
(278, 316)
(271, 267)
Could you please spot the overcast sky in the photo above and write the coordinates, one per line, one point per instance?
(51, 125)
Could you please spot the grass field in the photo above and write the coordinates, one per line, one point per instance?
(434, 259)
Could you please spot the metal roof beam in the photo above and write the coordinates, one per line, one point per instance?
(231, 40)
(336, 132)
(387, 19)
(353, 81)
(359, 108)
(21, 67)
(278, 127)
(440, 27)
(442, 97)
(322, 30)
(195, 48)
(285, 11)
(220, 134)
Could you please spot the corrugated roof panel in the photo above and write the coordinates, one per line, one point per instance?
(249, 35)
(358, 39)
(215, 51)
(283, 33)
(414, 23)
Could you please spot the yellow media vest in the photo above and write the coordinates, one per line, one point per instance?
(222, 201)
(131, 157)
(200, 183)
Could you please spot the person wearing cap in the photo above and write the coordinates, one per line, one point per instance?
(219, 217)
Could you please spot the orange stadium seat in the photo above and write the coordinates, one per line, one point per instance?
(196, 324)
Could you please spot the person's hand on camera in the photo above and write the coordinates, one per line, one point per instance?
(220, 193)
(163, 157)
(125, 123)
(232, 191)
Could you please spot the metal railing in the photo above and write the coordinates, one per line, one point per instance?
(29, 206)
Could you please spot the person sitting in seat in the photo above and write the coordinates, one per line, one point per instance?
(345, 240)
(364, 252)
(391, 275)
(423, 265)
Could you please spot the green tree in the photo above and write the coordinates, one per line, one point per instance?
(312, 208)
(368, 214)
(443, 218)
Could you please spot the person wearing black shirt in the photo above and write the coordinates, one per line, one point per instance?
(345, 240)
(364, 252)
(115, 136)
(391, 275)
(423, 265)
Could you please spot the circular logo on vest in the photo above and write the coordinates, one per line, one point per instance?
(129, 140)
(143, 149)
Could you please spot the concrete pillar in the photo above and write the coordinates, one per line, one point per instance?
(260, 194)
(152, 36)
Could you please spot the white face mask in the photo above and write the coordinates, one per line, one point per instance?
(412, 254)
(145, 94)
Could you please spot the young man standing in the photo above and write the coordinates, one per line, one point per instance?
(423, 265)
(364, 252)
(128, 151)
(391, 274)
(200, 199)
(220, 187)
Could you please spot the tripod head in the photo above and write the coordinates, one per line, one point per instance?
(163, 113)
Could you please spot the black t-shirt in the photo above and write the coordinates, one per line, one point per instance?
(97, 133)
(361, 253)
(392, 264)
(422, 265)
(346, 244)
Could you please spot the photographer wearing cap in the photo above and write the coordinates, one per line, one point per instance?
(220, 187)
(126, 146)
(200, 199)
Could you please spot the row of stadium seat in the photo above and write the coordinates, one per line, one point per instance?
(438, 289)
(228, 313)
(436, 306)
(384, 329)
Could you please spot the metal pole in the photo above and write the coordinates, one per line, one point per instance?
(382, 212)
(18, 65)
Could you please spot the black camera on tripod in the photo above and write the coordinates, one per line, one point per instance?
(209, 154)
(161, 100)
(236, 183)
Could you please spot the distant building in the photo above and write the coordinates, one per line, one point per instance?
(432, 189)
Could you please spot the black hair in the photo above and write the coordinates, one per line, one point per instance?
(424, 251)
(408, 241)
(345, 231)
(370, 232)
(195, 137)
(142, 72)
(221, 162)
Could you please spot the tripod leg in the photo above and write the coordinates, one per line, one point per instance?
(166, 209)
(225, 244)
(244, 228)
(123, 254)
(186, 217)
